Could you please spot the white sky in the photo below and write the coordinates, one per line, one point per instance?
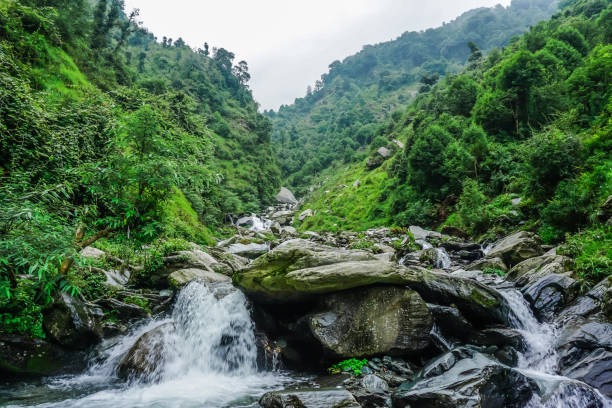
(288, 44)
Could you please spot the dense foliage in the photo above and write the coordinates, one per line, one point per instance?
(519, 139)
(107, 134)
(345, 111)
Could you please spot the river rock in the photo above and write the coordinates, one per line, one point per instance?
(463, 378)
(285, 196)
(298, 269)
(21, 357)
(585, 353)
(250, 251)
(530, 270)
(125, 311)
(282, 217)
(309, 398)
(371, 321)
(488, 263)
(517, 247)
(550, 294)
(182, 277)
(73, 323)
(421, 234)
(146, 356)
(372, 392)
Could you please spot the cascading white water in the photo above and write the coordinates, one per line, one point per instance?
(539, 360)
(443, 261)
(208, 358)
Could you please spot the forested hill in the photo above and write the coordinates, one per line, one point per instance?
(343, 112)
(105, 131)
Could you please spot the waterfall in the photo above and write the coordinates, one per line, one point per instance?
(443, 261)
(207, 358)
(539, 361)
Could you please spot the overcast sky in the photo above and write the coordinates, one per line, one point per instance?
(288, 44)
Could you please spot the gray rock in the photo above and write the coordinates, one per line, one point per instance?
(251, 251)
(286, 196)
(466, 379)
(594, 369)
(423, 234)
(92, 253)
(373, 392)
(517, 247)
(488, 263)
(73, 323)
(371, 321)
(550, 294)
(384, 152)
(125, 311)
(182, 277)
(309, 398)
(143, 361)
(531, 270)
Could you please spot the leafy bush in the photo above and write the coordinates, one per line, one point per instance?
(592, 251)
(351, 365)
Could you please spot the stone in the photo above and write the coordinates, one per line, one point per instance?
(423, 234)
(398, 143)
(309, 398)
(182, 277)
(550, 294)
(530, 270)
(144, 359)
(250, 251)
(125, 311)
(23, 357)
(305, 214)
(372, 321)
(517, 247)
(92, 253)
(286, 196)
(372, 392)
(298, 269)
(73, 323)
(384, 152)
(356, 183)
(463, 378)
(594, 369)
(276, 228)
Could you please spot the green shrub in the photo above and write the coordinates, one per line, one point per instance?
(352, 365)
(592, 252)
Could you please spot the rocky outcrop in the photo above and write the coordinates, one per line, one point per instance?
(464, 378)
(530, 270)
(298, 269)
(309, 398)
(143, 360)
(373, 321)
(517, 247)
(550, 294)
(73, 323)
(182, 277)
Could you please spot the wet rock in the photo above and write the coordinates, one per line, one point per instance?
(456, 246)
(373, 392)
(423, 234)
(24, 357)
(464, 378)
(379, 320)
(286, 196)
(309, 398)
(182, 277)
(585, 353)
(500, 337)
(276, 228)
(143, 360)
(73, 323)
(550, 294)
(451, 322)
(517, 247)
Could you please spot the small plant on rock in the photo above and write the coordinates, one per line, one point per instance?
(352, 365)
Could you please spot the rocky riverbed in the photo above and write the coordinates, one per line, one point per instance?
(442, 321)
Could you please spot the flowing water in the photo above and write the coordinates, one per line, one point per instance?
(208, 358)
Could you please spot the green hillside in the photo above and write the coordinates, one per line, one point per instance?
(519, 139)
(345, 110)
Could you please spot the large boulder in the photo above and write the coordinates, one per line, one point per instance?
(73, 323)
(517, 247)
(309, 398)
(464, 378)
(285, 196)
(145, 359)
(182, 277)
(298, 269)
(25, 357)
(372, 321)
(550, 294)
(585, 353)
(532, 269)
